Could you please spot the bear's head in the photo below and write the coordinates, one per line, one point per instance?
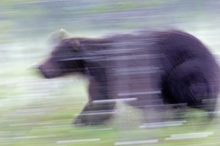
(66, 57)
(74, 55)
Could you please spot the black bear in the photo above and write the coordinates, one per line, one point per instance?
(146, 68)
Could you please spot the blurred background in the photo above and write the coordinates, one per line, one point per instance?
(36, 111)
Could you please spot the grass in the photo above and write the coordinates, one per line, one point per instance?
(40, 111)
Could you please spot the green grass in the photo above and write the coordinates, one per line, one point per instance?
(40, 112)
(28, 125)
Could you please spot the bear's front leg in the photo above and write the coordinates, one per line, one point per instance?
(95, 114)
(99, 109)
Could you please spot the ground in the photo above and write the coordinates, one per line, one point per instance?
(46, 121)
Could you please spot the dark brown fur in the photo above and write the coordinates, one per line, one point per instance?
(138, 65)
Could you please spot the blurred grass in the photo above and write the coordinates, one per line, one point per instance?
(38, 111)
(52, 104)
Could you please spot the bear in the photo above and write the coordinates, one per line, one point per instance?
(147, 68)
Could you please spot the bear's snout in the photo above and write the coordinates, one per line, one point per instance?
(42, 71)
(49, 71)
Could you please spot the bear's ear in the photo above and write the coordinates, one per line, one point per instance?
(64, 34)
(57, 36)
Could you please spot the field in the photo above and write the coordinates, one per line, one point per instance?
(37, 111)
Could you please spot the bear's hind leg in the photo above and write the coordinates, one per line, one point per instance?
(194, 83)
